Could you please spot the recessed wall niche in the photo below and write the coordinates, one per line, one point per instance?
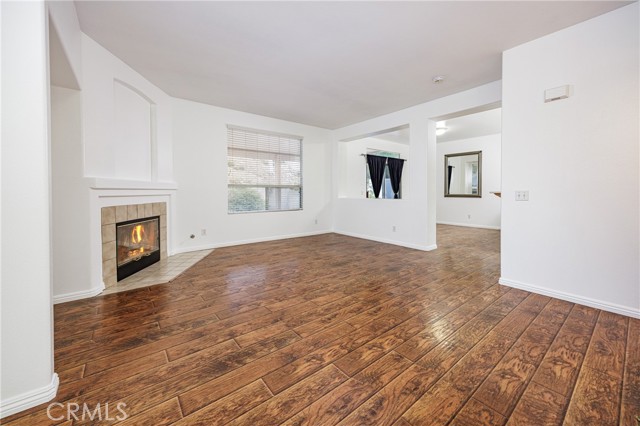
(134, 141)
(352, 163)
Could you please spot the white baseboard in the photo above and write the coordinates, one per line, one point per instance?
(469, 225)
(191, 249)
(250, 241)
(30, 399)
(569, 297)
(386, 241)
(83, 294)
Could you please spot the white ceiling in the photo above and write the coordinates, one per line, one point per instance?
(327, 64)
(399, 135)
(464, 127)
(473, 125)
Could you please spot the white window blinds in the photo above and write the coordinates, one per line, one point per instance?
(264, 171)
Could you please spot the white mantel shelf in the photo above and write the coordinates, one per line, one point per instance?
(106, 183)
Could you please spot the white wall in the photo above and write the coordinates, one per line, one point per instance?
(133, 139)
(104, 114)
(111, 145)
(27, 319)
(67, 28)
(200, 155)
(475, 212)
(353, 166)
(70, 201)
(578, 236)
(414, 217)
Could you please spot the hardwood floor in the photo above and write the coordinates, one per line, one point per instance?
(330, 330)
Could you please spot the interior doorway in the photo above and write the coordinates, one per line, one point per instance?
(468, 170)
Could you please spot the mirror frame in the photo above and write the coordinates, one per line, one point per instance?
(446, 174)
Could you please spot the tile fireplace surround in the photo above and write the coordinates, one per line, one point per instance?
(114, 214)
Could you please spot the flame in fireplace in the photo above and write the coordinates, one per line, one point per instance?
(137, 233)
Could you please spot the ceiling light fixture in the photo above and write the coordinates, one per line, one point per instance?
(438, 79)
(441, 128)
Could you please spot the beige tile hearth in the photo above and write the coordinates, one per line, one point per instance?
(161, 272)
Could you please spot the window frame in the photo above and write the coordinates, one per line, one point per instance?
(277, 165)
(367, 176)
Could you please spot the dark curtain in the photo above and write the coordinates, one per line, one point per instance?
(450, 172)
(395, 173)
(376, 171)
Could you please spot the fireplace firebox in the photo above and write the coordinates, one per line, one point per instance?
(137, 245)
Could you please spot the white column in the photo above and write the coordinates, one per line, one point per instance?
(432, 174)
(26, 352)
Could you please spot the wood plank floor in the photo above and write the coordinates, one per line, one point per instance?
(330, 330)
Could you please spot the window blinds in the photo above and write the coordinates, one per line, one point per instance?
(264, 171)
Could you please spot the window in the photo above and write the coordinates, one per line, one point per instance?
(264, 171)
(386, 191)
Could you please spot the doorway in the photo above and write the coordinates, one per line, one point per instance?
(468, 174)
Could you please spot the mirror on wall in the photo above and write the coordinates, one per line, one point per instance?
(463, 174)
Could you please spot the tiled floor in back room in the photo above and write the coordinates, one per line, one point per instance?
(159, 273)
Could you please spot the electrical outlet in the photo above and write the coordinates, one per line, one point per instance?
(393, 228)
(203, 232)
(522, 195)
(316, 221)
(468, 216)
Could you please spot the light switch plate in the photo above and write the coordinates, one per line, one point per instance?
(522, 195)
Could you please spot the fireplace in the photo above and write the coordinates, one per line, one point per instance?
(113, 216)
(137, 245)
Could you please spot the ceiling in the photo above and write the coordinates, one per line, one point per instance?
(464, 127)
(473, 126)
(327, 64)
(401, 135)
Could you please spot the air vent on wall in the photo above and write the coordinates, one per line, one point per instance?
(557, 93)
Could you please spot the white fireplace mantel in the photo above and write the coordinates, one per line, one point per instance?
(108, 183)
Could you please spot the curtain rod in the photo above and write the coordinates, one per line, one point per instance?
(364, 155)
